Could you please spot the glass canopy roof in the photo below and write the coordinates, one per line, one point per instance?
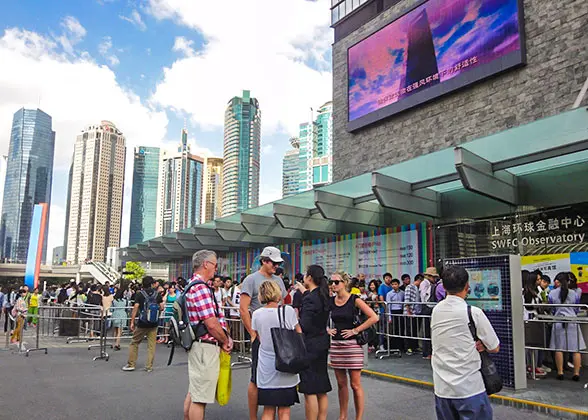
(540, 146)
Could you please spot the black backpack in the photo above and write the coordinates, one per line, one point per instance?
(426, 309)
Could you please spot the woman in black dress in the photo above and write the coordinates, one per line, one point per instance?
(314, 315)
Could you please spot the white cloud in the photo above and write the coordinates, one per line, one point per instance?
(253, 47)
(76, 92)
(73, 34)
(105, 50)
(184, 46)
(135, 19)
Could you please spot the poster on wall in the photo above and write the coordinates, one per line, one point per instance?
(437, 47)
(485, 289)
(373, 256)
(552, 264)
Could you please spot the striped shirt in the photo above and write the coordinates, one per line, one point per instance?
(201, 305)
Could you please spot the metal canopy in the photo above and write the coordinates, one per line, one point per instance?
(480, 178)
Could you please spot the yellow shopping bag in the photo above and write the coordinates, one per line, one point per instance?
(223, 386)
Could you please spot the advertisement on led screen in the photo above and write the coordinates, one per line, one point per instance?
(438, 47)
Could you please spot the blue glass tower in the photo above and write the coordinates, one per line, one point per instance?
(242, 150)
(29, 172)
(144, 197)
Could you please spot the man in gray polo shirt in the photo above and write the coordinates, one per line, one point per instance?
(270, 259)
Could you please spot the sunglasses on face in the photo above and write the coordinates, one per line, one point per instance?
(335, 282)
(275, 264)
(215, 264)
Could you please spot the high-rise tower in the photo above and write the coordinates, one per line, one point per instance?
(242, 149)
(95, 211)
(144, 198)
(213, 189)
(29, 171)
(179, 199)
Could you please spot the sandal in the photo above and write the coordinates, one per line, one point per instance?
(116, 348)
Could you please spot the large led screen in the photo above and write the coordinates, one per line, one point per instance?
(437, 47)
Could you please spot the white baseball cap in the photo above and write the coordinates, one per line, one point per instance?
(272, 253)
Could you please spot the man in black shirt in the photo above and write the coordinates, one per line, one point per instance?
(146, 296)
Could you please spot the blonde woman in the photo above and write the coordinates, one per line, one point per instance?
(347, 356)
(276, 390)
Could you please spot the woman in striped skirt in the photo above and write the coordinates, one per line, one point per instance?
(346, 354)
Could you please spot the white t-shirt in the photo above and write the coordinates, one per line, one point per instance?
(236, 300)
(220, 294)
(456, 362)
(263, 320)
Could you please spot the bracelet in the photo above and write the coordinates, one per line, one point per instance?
(355, 332)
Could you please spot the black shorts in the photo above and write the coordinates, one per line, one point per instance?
(254, 357)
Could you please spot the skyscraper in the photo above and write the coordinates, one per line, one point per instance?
(213, 189)
(29, 172)
(241, 154)
(3, 162)
(421, 59)
(179, 200)
(144, 198)
(290, 168)
(322, 168)
(315, 161)
(96, 193)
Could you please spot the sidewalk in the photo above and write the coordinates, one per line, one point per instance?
(562, 398)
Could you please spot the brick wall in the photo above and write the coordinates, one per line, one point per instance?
(557, 66)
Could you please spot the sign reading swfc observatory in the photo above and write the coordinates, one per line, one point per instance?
(536, 233)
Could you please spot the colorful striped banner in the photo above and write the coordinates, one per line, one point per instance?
(398, 250)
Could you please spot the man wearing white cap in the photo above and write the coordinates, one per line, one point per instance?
(270, 259)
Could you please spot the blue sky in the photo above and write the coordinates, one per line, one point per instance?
(151, 66)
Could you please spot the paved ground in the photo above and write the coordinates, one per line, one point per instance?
(66, 384)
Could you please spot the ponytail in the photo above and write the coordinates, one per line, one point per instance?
(563, 279)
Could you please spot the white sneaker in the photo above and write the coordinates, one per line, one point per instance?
(128, 368)
(570, 365)
(382, 348)
(546, 369)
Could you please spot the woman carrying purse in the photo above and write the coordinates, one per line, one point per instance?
(346, 354)
(276, 390)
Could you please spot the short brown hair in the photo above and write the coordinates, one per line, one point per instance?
(269, 291)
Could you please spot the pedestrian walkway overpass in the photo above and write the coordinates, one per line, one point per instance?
(95, 270)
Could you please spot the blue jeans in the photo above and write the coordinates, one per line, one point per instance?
(477, 407)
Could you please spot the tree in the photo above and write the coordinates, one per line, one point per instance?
(134, 271)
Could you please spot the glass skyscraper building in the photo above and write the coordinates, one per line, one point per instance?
(29, 171)
(179, 200)
(313, 151)
(242, 150)
(144, 197)
(290, 168)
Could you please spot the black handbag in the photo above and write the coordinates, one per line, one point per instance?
(490, 375)
(367, 335)
(289, 347)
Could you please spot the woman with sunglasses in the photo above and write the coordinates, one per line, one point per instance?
(314, 316)
(346, 354)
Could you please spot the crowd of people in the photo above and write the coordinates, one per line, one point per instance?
(425, 314)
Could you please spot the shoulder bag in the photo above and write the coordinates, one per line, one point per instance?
(490, 375)
(289, 347)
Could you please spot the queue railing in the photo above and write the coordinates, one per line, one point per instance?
(398, 331)
(554, 328)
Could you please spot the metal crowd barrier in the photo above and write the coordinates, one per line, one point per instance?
(241, 340)
(397, 332)
(540, 328)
